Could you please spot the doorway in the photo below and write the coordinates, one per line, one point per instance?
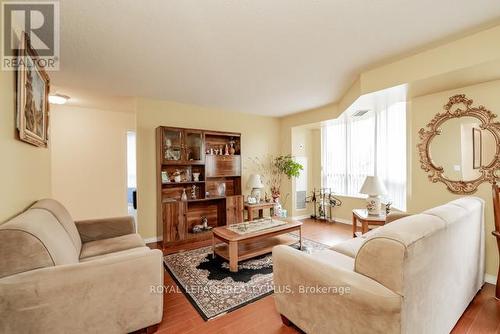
(131, 174)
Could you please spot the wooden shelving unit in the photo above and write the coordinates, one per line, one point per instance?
(216, 156)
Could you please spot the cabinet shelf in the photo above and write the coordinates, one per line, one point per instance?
(206, 199)
(181, 183)
(183, 163)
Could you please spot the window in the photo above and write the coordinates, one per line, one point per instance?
(367, 142)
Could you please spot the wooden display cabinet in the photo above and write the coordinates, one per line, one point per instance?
(216, 156)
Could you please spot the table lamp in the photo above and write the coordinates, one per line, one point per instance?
(255, 184)
(373, 187)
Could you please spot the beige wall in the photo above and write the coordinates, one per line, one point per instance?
(25, 169)
(425, 194)
(89, 160)
(260, 136)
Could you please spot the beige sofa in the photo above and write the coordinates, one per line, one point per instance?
(414, 275)
(61, 276)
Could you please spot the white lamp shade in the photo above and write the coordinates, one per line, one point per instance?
(373, 186)
(255, 182)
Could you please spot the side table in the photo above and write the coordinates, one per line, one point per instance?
(362, 216)
(250, 208)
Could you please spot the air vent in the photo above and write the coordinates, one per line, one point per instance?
(360, 113)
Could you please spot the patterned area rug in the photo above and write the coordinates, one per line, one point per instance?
(213, 289)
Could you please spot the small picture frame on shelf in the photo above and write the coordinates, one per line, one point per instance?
(164, 177)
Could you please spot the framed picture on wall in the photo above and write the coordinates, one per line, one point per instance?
(33, 86)
(477, 145)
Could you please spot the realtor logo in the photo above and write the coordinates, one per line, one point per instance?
(40, 21)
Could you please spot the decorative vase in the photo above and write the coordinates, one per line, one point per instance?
(196, 177)
(177, 178)
(277, 208)
(184, 195)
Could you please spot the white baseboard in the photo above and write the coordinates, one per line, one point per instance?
(153, 239)
(337, 220)
(490, 279)
(301, 217)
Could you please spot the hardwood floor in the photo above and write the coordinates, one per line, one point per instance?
(179, 316)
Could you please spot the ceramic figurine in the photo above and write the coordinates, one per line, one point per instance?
(226, 150)
(211, 151)
(388, 208)
(184, 195)
(193, 192)
(197, 228)
(204, 222)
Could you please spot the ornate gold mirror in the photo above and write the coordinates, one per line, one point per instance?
(461, 147)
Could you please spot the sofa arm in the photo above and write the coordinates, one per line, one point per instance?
(97, 229)
(393, 216)
(301, 281)
(109, 295)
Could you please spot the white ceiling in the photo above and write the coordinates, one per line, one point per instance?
(269, 57)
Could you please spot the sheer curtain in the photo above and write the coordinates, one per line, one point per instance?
(361, 151)
(391, 152)
(354, 147)
(334, 156)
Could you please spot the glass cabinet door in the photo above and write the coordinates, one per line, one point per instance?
(194, 151)
(172, 144)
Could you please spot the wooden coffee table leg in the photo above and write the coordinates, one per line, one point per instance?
(300, 237)
(213, 246)
(233, 256)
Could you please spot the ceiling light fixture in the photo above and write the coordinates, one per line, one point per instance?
(58, 99)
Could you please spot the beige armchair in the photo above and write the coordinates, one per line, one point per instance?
(60, 276)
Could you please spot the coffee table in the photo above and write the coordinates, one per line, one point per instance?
(239, 247)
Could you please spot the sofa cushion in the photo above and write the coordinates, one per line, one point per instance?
(136, 250)
(349, 247)
(111, 245)
(43, 240)
(64, 218)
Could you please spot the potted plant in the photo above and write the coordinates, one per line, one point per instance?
(274, 168)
